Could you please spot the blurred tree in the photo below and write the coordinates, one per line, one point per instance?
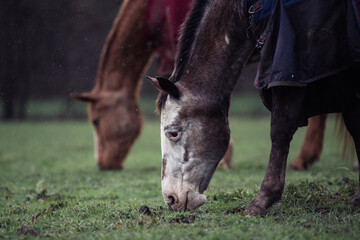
(12, 60)
(50, 48)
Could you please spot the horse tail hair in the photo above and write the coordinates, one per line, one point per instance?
(344, 136)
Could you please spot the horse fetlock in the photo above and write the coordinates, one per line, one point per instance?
(299, 164)
(254, 209)
(355, 200)
(263, 201)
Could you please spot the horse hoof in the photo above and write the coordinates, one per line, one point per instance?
(254, 210)
(355, 201)
(298, 165)
(297, 168)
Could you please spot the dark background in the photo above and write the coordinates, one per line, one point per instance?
(49, 49)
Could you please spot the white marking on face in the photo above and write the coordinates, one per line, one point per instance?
(178, 179)
(227, 40)
(169, 116)
(172, 151)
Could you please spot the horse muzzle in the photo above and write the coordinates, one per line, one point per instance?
(189, 200)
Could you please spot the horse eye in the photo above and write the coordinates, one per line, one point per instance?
(95, 122)
(173, 136)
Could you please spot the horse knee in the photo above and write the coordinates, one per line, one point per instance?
(282, 133)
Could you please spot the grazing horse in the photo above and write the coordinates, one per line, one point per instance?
(301, 42)
(141, 29)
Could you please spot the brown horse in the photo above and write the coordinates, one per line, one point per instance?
(146, 27)
(194, 102)
(113, 102)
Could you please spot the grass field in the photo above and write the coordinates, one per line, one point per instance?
(50, 187)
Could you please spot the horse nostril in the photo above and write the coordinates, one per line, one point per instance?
(171, 200)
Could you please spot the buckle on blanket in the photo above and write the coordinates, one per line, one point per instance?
(261, 40)
(256, 7)
(253, 9)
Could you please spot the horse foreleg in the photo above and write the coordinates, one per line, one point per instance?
(312, 145)
(286, 108)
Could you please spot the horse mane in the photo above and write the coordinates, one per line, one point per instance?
(186, 41)
(105, 52)
(189, 30)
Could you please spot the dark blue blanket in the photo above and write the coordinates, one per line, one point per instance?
(304, 40)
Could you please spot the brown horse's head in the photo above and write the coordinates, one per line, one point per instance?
(194, 137)
(117, 122)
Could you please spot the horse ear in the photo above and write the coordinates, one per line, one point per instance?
(164, 84)
(85, 97)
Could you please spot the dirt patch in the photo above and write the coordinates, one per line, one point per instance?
(235, 210)
(184, 219)
(25, 230)
(52, 208)
(322, 210)
(151, 211)
(5, 189)
(44, 196)
(145, 210)
(8, 195)
(157, 213)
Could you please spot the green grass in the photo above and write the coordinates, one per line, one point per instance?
(50, 187)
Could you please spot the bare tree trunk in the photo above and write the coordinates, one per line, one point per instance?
(14, 16)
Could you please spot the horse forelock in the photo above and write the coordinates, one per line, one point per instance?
(160, 101)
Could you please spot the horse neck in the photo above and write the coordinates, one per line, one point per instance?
(215, 66)
(125, 55)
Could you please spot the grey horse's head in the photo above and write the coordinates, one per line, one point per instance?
(194, 137)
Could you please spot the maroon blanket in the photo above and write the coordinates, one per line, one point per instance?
(164, 18)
